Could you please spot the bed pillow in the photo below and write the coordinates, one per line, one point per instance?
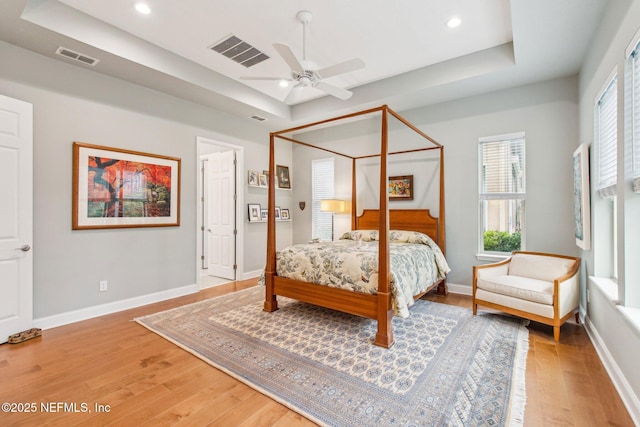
(367, 235)
(395, 236)
(403, 236)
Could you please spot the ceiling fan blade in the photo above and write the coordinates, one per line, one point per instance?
(341, 68)
(265, 78)
(332, 90)
(294, 94)
(287, 54)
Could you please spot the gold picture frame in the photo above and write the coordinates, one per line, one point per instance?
(118, 188)
(401, 187)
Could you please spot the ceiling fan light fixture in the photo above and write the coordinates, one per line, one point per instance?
(142, 8)
(283, 83)
(454, 22)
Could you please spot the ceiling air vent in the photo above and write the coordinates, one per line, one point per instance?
(68, 53)
(258, 118)
(240, 51)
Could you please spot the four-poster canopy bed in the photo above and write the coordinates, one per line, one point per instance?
(377, 305)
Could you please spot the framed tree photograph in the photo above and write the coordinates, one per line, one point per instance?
(581, 199)
(282, 174)
(401, 187)
(117, 188)
(254, 212)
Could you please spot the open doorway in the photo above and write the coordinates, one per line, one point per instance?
(219, 230)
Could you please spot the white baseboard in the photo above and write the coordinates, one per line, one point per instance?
(459, 289)
(252, 274)
(112, 307)
(630, 400)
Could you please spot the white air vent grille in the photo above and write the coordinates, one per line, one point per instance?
(240, 51)
(68, 53)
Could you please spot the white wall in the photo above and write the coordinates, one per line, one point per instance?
(73, 104)
(618, 341)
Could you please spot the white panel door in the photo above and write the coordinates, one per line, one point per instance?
(16, 217)
(221, 218)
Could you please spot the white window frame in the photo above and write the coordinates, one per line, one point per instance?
(322, 187)
(487, 196)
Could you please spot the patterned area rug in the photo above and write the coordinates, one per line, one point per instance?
(447, 367)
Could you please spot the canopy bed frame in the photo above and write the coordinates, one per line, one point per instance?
(377, 306)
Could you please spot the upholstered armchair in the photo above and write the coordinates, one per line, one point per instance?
(534, 285)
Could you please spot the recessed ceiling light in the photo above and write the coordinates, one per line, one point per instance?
(143, 8)
(454, 22)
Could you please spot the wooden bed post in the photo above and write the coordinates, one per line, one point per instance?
(354, 194)
(442, 287)
(384, 336)
(270, 300)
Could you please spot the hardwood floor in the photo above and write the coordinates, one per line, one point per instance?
(116, 372)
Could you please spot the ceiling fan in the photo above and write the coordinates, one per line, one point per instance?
(306, 73)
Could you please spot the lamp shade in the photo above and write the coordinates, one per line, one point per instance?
(332, 205)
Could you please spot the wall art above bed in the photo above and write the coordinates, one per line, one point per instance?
(401, 187)
(116, 188)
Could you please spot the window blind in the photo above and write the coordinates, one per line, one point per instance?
(635, 115)
(502, 168)
(607, 135)
(322, 188)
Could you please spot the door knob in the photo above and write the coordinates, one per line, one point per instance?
(24, 248)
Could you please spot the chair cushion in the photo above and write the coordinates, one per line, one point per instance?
(539, 267)
(539, 291)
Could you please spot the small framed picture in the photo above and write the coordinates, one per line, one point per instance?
(264, 214)
(254, 178)
(278, 213)
(284, 214)
(262, 178)
(254, 212)
(282, 173)
(401, 187)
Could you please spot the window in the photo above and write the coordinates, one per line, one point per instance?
(606, 150)
(502, 193)
(630, 289)
(322, 182)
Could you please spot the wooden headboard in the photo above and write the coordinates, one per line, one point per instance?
(401, 219)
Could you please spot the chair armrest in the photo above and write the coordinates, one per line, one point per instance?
(567, 291)
(493, 269)
(571, 273)
(488, 270)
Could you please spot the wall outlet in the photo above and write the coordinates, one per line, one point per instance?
(103, 286)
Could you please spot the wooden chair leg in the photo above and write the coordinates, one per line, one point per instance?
(577, 318)
(556, 333)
